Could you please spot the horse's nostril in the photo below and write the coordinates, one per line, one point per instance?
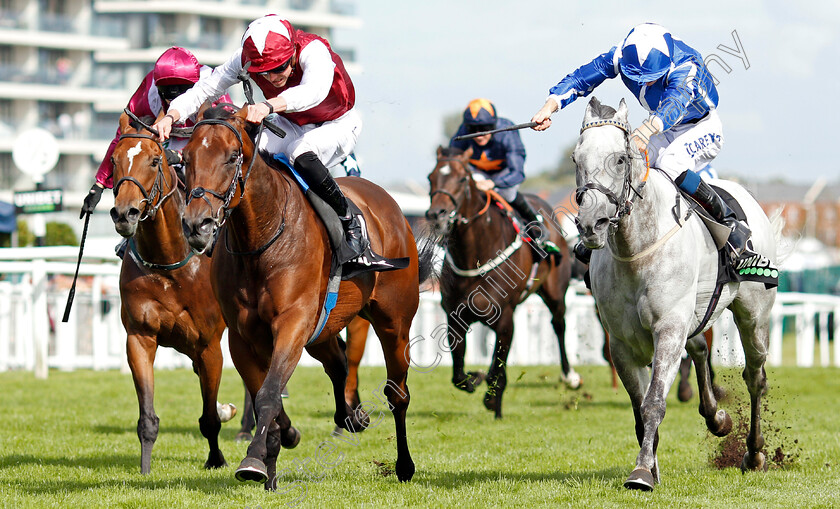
(115, 216)
(206, 226)
(133, 215)
(602, 223)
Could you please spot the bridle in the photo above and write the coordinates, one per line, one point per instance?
(221, 214)
(455, 216)
(157, 186)
(623, 202)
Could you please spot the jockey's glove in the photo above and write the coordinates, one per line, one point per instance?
(91, 200)
(172, 156)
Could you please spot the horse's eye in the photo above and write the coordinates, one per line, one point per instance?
(155, 162)
(233, 158)
(621, 161)
(463, 179)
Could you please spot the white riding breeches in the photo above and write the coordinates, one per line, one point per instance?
(688, 146)
(331, 141)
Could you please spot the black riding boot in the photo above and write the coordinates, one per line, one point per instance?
(521, 205)
(720, 211)
(322, 184)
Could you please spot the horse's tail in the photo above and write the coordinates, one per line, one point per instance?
(426, 259)
(427, 245)
(784, 247)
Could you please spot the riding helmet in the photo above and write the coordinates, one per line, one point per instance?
(480, 115)
(268, 43)
(646, 53)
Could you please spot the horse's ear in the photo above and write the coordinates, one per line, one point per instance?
(622, 114)
(125, 123)
(468, 153)
(593, 110)
(243, 112)
(200, 115)
(439, 152)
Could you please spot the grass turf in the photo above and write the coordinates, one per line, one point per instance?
(71, 441)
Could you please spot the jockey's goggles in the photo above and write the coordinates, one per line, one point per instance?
(478, 128)
(277, 70)
(170, 92)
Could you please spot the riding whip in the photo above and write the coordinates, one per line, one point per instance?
(483, 133)
(73, 287)
(249, 95)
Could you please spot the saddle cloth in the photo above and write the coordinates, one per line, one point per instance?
(751, 266)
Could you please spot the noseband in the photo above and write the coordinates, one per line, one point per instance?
(157, 186)
(624, 202)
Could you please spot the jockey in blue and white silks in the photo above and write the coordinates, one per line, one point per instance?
(683, 133)
(498, 161)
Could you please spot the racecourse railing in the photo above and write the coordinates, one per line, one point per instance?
(34, 285)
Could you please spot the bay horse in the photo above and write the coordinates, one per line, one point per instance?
(488, 270)
(653, 274)
(165, 290)
(270, 274)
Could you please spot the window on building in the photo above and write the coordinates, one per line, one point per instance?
(211, 33)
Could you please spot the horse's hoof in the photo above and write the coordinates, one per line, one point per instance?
(490, 403)
(226, 412)
(640, 479)
(290, 438)
(243, 436)
(405, 470)
(251, 469)
(215, 460)
(721, 424)
(572, 380)
(684, 392)
(758, 464)
(470, 382)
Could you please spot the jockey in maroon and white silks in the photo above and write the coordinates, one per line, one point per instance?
(175, 72)
(308, 89)
(177, 69)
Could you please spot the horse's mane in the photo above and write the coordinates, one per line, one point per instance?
(450, 151)
(144, 122)
(220, 111)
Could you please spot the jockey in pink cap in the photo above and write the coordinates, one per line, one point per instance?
(306, 85)
(175, 72)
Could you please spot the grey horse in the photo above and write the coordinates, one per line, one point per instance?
(653, 273)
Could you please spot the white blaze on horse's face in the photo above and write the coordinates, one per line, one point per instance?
(445, 169)
(205, 143)
(595, 155)
(130, 153)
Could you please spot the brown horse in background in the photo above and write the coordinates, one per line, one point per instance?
(167, 299)
(476, 232)
(270, 275)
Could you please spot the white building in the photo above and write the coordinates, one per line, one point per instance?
(70, 66)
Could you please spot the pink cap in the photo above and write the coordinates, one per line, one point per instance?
(177, 66)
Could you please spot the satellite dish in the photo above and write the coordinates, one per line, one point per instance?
(35, 153)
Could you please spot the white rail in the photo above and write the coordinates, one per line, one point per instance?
(34, 287)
